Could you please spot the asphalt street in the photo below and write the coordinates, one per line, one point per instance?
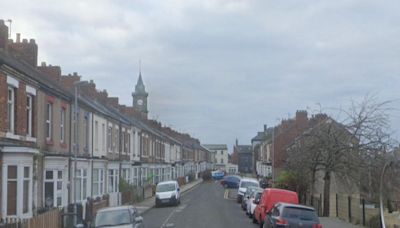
(207, 205)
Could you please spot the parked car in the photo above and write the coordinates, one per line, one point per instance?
(251, 206)
(291, 215)
(243, 185)
(231, 181)
(168, 192)
(217, 174)
(118, 217)
(247, 194)
(269, 198)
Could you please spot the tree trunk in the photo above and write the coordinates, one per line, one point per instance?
(327, 188)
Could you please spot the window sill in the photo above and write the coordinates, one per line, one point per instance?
(11, 135)
(30, 139)
(49, 142)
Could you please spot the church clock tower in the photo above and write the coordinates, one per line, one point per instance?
(140, 97)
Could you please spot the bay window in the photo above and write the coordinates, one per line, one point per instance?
(18, 191)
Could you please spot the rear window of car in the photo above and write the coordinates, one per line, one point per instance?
(110, 218)
(299, 213)
(246, 184)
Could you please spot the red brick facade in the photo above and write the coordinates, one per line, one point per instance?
(285, 133)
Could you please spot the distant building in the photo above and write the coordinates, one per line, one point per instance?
(245, 157)
(220, 152)
(261, 166)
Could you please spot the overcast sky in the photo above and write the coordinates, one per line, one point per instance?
(221, 69)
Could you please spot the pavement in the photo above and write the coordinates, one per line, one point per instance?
(336, 223)
(149, 203)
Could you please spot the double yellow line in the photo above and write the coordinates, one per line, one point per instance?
(226, 194)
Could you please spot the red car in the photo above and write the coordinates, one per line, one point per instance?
(269, 198)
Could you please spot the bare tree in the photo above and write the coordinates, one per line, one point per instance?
(348, 149)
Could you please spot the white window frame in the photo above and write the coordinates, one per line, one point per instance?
(29, 109)
(49, 120)
(113, 180)
(109, 138)
(103, 138)
(55, 181)
(11, 111)
(96, 135)
(62, 125)
(81, 176)
(99, 182)
(20, 191)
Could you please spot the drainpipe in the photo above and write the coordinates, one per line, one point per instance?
(91, 160)
(119, 157)
(70, 155)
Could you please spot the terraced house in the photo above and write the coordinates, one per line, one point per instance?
(63, 141)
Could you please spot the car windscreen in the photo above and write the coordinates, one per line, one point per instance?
(246, 184)
(299, 213)
(165, 187)
(113, 218)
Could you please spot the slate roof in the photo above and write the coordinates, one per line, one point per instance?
(243, 149)
(31, 72)
(215, 146)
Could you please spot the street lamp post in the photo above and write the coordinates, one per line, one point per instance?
(77, 84)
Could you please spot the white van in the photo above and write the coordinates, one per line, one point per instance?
(168, 192)
(244, 183)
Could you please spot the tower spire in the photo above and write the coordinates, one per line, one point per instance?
(140, 67)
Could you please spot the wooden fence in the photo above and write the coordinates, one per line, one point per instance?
(48, 219)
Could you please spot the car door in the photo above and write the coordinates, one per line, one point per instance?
(271, 217)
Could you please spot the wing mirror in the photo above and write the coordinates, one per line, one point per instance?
(139, 219)
(256, 201)
(178, 189)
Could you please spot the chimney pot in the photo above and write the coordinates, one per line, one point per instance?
(25, 41)
(75, 74)
(32, 41)
(18, 37)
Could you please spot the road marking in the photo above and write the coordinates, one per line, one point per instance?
(226, 194)
(178, 209)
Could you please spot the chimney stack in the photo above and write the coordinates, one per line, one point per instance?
(51, 72)
(25, 51)
(265, 128)
(3, 35)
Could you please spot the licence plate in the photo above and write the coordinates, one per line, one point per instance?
(165, 200)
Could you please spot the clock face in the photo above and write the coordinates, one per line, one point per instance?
(140, 102)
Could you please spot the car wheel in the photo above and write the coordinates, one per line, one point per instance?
(254, 219)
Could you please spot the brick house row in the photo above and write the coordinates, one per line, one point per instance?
(49, 158)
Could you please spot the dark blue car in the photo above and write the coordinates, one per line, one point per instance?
(231, 181)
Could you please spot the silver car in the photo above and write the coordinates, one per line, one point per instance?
(118, 217)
